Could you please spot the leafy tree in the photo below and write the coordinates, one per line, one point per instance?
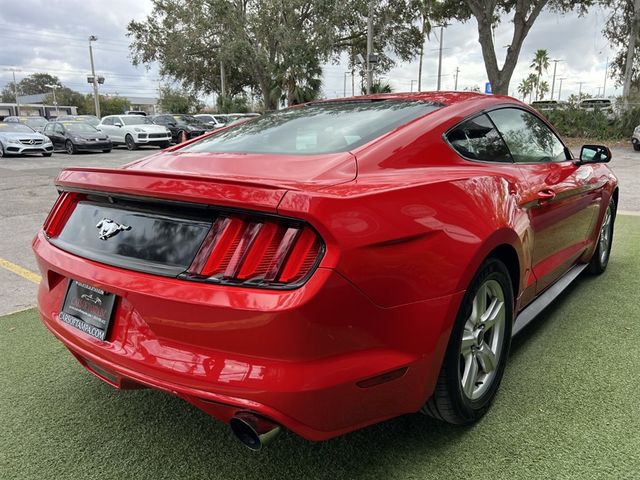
(379, 87)
(540, 64)
(30, 85)
(66, 96)
(108, 105)
(623, 32)
(178, 101)
(488, 15)
(273, 47)
(237, 104)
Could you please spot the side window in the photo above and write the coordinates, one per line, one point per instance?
(528, 138)
(48, 128)
(59, 128)
(478, 139)
(107, 121)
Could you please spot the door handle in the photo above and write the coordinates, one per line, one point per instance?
(546, 195)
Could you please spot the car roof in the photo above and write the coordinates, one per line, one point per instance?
(444, 97)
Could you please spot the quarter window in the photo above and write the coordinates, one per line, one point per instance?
(528, 138)
(478, 139)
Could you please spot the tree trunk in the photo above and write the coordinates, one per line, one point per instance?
(633, 38)
(484, 12)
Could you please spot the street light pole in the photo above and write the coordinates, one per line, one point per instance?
(457, 72)
(412, 82)
(344, 93)
(55, 101)
(96, 100)
(369, 46)
(580, 90)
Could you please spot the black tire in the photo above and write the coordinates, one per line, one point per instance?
(636, 147)
(601, 254)
(1, 150)
(165, 145)
(70, 148)
(449, 401)
(46, 154)
(106, 150)
(130, 142)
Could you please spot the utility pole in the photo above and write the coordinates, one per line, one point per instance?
(553, 83)
(55, 101)
(560, 88)
(604, 86)
(369, 46)
(457, 72)
(96, 100)
(412, 82)
(440, 57)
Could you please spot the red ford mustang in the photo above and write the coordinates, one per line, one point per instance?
(328, 266)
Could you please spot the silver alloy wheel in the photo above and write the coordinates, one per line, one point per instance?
(69, 147)
(482, 339)
(605, 237)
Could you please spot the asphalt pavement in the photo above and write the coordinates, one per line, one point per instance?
(27, 193)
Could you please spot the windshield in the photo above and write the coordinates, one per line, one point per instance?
(79, 127)
(14, 128)
(136, 120)
(316, 128)
(188, 119)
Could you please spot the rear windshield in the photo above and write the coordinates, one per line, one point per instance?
(79, 127)
(316, 128)
(136, 120)
(34, 122)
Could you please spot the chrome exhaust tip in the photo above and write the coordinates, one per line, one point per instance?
(253, 431)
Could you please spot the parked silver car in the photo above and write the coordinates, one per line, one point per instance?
(18, 139)
(35, 122)
(635, 139)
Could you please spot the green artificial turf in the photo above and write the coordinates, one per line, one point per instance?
(569, 407)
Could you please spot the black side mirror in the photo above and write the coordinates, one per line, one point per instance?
(594, 154)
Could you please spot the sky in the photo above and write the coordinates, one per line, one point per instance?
(52, 36)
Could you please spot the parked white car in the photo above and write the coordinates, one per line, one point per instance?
(216, 121)
(635, 139)
(134, 130)
(603, 104)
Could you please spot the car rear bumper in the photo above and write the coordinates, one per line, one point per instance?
(297, 357)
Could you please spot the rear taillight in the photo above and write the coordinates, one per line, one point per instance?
(256, 251)
(60, 213)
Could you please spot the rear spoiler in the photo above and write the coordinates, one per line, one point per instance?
(175, 187)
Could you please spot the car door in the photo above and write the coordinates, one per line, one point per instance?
(49, 131)
(560, 199)
(106, 126)
(60, 137)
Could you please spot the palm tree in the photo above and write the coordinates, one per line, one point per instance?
(543, 89)
(524, 88)
(540, 64)
(378, 87)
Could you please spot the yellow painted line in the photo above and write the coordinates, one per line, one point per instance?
(18, 270)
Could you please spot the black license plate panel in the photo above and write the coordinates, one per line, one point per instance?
(88, 308)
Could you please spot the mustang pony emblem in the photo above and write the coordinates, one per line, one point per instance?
(109, 228)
